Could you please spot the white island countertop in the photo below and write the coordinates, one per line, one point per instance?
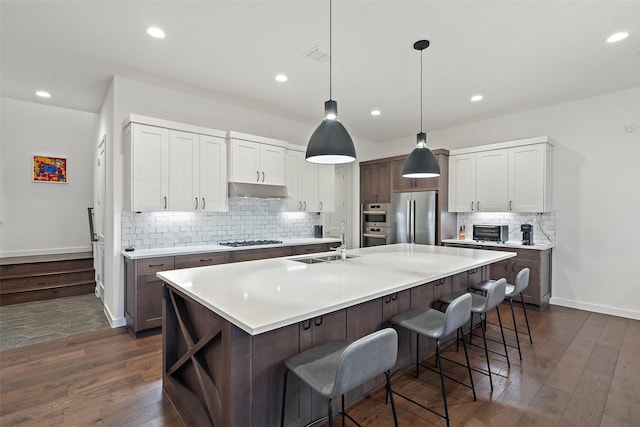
(263, 295)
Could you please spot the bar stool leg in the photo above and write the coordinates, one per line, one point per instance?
(483, 324)
(466, 355)
(284, 396)
(417, 355)
(444, 391)
(526, 318)
(343, 414)
(504, 342)
(515, 326)
(390, 394)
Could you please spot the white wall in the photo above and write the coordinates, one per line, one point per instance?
(596, 188)
(45, 218)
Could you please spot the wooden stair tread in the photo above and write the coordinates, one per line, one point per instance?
(40, 287)
(45, 258)
(45, 273)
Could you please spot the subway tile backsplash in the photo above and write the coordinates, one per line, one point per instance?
(246, 219)
(544, 224)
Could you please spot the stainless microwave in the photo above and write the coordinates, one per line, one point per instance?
(491, 233)
(376, 215)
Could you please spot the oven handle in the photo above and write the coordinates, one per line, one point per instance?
(375, 236)
(374, 212)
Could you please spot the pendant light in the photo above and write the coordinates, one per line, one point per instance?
(421, 163)
(330, 143)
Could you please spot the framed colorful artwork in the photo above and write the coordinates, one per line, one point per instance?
(50, 169)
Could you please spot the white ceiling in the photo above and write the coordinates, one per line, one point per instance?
(518, 54)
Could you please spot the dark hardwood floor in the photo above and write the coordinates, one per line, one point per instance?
(582, 370)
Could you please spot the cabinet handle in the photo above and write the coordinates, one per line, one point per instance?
(206, 260)
(262, 176)
(203, 202)
(510, 208)
(299, 205)
(165, 202)
(471, 205)
(394, 296)
(257, 176)
(320, 205)
(155, 265)
(478, 205)
(316, 322)
(387, 299)
(305, 205)
(196, 203)
(306, 325)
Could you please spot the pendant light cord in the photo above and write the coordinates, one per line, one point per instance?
(330, 53)
(421, 55)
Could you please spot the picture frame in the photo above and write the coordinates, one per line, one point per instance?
(51, 169)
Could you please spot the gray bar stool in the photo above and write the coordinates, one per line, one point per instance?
(521, 283)
(334, 368)
(482, 305)
(435, 325)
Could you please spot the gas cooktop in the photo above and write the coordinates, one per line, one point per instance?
(238, 243)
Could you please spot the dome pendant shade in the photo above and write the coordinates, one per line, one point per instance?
(421, 163)
(330, 143)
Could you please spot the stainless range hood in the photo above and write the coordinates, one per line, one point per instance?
(258, 191)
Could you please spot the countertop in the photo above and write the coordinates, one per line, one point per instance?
(199, 249)
(263, 295)
(509, 244)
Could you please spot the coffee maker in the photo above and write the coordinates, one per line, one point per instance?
(527, 234)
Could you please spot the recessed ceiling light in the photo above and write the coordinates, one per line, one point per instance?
(281, 78)
(155, 32)
(617, 37)
(476, 98)
(375, 112)
(43, 94)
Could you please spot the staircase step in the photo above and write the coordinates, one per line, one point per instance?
(44, 282)
(45, 294)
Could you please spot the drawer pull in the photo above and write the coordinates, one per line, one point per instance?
(318, 323)
(306, 325)
(206, 260)
(155, 265)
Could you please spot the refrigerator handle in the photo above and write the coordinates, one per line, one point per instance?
(412, 221)
(409, 216)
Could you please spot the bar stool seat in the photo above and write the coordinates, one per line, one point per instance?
(521, 283)
(481, 305)
(436, 325)
(334, 368)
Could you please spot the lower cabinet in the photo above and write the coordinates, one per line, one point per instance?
(143, 293)
(539, 263)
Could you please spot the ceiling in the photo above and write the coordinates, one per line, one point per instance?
(519, 54)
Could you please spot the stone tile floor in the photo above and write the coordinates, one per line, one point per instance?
(40, 321)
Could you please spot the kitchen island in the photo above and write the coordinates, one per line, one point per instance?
(227, 328)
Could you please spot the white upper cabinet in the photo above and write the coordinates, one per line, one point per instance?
(257, 160)
(505, 177)
(147, 168)
(172, 169)
(310, 185)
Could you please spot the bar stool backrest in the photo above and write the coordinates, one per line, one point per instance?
(495, 294)
(457, 314)
(521, 282)
(364, 359)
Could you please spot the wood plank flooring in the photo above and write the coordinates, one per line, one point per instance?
(582, 370)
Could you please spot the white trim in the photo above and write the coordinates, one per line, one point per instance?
(114, 322)
(501, 145)
(254, 138)
(51, 251)
(136, 118)
(596, 308)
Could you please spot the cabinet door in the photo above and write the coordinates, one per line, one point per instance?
(526, 178)
(462, 183)
(491, 187)
(367, 184)
(183, 170)
(309, 187)
(149, 168)
(383, 182)
(326, 188)
(272, 164)
(293, 179)
(393, 305)
(200, 260)
(244, 165)
(422, 296)
(375, 183)
(398, 182)
(212, 165)
(252, 254)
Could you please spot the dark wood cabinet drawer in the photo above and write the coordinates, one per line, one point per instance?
(153, 265)
(312, 249)
(200, 260)
(252, 254)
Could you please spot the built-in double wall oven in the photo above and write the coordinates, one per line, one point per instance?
(375, 219)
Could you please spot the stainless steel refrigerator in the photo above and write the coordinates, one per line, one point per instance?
(413, 217)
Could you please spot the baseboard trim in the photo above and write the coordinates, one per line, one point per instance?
(50, 251)
(596, 308)
(115, 322)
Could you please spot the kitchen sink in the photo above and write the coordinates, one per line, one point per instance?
(326, 258)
